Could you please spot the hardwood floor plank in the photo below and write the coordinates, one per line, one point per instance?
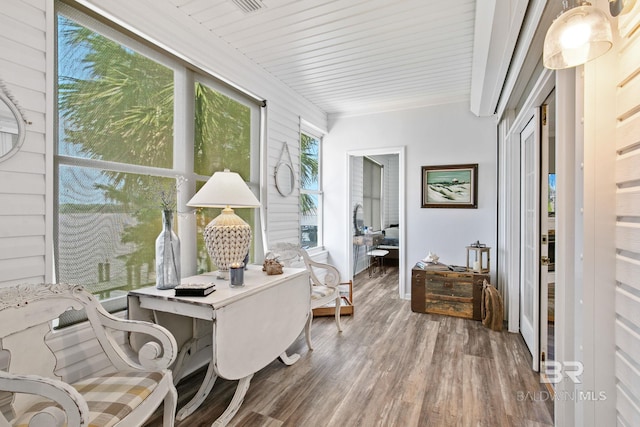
(482, 404)
(389, 367)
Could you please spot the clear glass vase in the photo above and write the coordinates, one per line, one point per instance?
(167, 254)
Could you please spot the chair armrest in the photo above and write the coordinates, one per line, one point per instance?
(73, 405)
(158, 354)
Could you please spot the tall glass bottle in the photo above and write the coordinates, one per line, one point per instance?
(167, 254)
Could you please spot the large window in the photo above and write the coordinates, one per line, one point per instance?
(136, 125)
(310, 190)
(372, 194)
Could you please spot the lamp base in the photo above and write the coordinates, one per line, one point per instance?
(228, 239)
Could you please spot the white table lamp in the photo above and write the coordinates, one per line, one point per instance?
(227, 237)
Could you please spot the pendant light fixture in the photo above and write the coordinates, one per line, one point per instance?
(578, 35)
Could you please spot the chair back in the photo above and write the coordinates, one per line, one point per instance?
(28, 336)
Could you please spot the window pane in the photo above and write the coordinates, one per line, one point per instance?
(309, 147)
(114, 104)
(371, 192)
(309, 221)
(107, 228)
(223, 134)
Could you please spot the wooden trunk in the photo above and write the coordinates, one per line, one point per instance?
(450, 293)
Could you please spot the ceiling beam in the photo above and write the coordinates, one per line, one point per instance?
(497, 26)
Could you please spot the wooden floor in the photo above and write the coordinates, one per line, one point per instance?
(390, 367)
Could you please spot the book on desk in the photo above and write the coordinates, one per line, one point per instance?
(194, 289)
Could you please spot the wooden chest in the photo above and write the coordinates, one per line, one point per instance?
(446, 292)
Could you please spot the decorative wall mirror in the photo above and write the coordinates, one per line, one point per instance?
(358, 220)
(12, 124)
(284, 175)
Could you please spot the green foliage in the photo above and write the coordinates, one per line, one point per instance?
(118, 105)
(308, 171)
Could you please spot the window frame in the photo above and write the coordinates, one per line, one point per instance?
(316, 133)
(369, 208)
(185, 75)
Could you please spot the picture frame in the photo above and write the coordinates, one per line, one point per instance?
(450, 186)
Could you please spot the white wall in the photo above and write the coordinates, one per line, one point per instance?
(24, 200)
(441, 135)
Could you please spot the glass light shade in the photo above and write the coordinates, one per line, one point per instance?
(576, 36)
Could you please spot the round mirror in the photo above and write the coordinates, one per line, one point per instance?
(12, 128)
(285, 179)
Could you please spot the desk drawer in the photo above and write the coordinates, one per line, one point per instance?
(442, 285)
(449, 305)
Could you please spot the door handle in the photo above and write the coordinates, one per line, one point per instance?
(545, 260)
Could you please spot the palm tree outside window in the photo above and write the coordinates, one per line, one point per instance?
(310, 190)
(119, 149)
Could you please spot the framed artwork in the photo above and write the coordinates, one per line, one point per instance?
(450, 186)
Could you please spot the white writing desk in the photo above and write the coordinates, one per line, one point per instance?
(246, 328)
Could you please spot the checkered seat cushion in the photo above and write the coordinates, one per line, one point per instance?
(110, 397)
(318, 292)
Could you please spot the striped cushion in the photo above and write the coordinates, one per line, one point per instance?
(110, 397)
(318, 292)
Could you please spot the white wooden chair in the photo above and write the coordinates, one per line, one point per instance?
(324, 278)
(115, 388)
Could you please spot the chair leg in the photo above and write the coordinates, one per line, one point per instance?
(338, 305)
(307, 330)
(170, 406)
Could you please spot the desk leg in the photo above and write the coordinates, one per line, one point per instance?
(201, 394)
(289, 360)
(179, 366)
(238, 398)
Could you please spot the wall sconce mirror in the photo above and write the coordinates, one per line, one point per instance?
(284, 174)
(12, 125)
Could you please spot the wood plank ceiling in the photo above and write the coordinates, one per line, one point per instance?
(352, 56)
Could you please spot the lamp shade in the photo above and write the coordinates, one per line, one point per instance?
(224, 189)
(576, 36)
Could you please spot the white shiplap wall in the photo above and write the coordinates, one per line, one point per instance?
(628, 225)
(23, 198)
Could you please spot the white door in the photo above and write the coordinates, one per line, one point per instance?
(529, 235)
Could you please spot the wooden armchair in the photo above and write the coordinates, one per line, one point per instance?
(324, 280)
(112, 387)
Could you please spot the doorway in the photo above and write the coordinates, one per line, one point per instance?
(381, 204)
(548, 200)
(537, 233)
(529, 233)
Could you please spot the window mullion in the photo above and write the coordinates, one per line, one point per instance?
(183, 163)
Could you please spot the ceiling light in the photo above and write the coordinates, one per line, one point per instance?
(578, 35)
